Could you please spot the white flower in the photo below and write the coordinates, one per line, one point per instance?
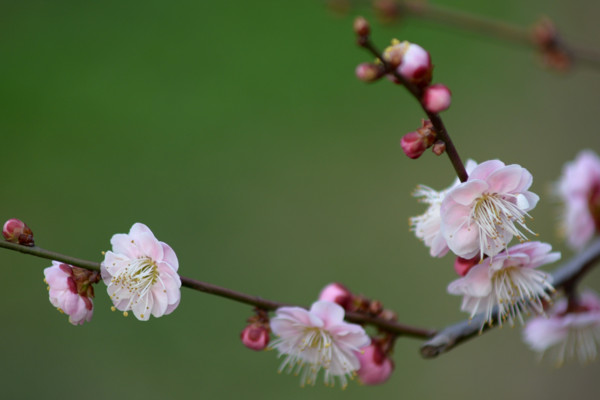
(141, 274)
(510, 281)
(317, 339)
(567, 334)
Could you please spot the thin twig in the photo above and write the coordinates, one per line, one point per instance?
(453, 335)
(417, 92)
(256, 301)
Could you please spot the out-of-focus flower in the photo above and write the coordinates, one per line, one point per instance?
(427, 226)
(480, 216)
(375, 366)
(337, 293)
(416, 65)
(437, 98)
(509, 281)
(567, 334)
(579, 189)
(318, 339)
(71, 292)
(368, 72)
(141, 274)
(16, 231)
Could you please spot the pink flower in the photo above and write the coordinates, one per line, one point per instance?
(141, 274)
(70, 290)
(480, 216)
(567, 334)
(509, 281)
(427, 226)
(337, 293)
(375, 366)
(317, 339)
(579, 188)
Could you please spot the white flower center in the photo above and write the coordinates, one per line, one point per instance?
(496, 215)
(138, 277)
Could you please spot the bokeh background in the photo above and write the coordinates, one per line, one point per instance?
(237, 131)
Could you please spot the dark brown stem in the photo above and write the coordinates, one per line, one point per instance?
(385, 325)
(566, 276)
(436, 120)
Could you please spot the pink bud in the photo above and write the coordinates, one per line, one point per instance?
(337, 293)
(413, 145)
(416, 65)
(437, 98)
(375, 366)
(16, 231)
(361, 27)
(368, 72)
(255, 336)
(439, 148)
(463, 265)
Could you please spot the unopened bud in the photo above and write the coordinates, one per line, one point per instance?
(546, 37)
(375, 307)
(16, 231)
(436, 98)
(362, 27)
(339, 294)
(415, 143)
(464, 265)
(369, 72)
(416, 65)
(438, 148)
(375, 366)
(255, 336)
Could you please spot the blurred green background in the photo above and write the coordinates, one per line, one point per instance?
(237, 132)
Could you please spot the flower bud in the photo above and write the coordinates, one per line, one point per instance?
(463, 265)
(436, 98)
(368, 72)
(416, 65)
(415, 143)
(375, 366)
(362, 27)
(337, 293)
(395, 53)
(16, 231)
(439, 148)
(255, 336)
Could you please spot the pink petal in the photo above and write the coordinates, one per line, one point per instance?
(169, 256)
(466, 193)
(330, 313)
(506, 179)
(148, 246)
(138, 228)
(483, 170)
(476, 283)
(122, 244)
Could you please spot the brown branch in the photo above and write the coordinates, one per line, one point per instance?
(256, 301)
(566, 276)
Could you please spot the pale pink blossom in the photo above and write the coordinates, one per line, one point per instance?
(427, 226)
(579, 189)
(509, 281)
(375, 366)
(141, 274)
(482, 215)
(67, 295)
(567, 334)
(317, 339)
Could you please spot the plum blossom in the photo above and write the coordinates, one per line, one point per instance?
(141, 274)
(509, 281)
(427, 226)
(579, 189)
(71, 292)
(567, 334)
(318, 339)
(481, 215)
(337, 293)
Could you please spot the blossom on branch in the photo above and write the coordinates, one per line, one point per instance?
(375, 365)
(318, 339)
(579, 188)
(509, 281)
(567, 334)
(481, 215)
(427, 226)
(71, 292)
(141, 274)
